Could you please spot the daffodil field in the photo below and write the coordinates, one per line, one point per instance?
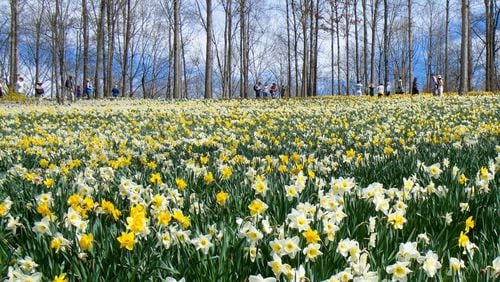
(322, 189)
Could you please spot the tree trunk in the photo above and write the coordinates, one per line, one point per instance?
(14, 45)
(177, 50)
(85, 24)
(38, 34)
(356, 39)
(184, 68)
(99, 49)
(410, 49)
(310, 70)
(429, 55)
(332, 47)
(386, 45)
(289, 55)
(244, 38)
(337, 20)
(365, 46)
(111, 46)
(60, 41)
(316, 32)
(446, 31)
(491, 14)
(226, 91)
(464, 53)
(347, 51)
(127, 31)
(374, 30)
(295, 48)
(209, 54)
(469, 55)
(305, 62)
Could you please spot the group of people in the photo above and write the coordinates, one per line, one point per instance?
(266, 91)
(68, 93)
(381, 90)
(69, 90)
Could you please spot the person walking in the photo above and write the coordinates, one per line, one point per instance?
(434, 85)
(359, 88)
(115, 91)
(20, 86)
(1, 88)
(39, 91)
(400, 88)
(371, 88)
(88, 88)
(414, 86)
(388, 89)
(440, 86)
(380, 89)
(257, 89)
(283, 91)
(78, 92)
(265, 90)
(274, 91)
(69, 88)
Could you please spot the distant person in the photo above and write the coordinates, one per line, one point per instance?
(283, 91)
(274, 91)
(88, 88)
(39, 91)
(1, 88)
(257, 88)
(78, 92)
(434, 85)
(115, 91)
(266, 90)
(414, 86)
(380, 89)
(371, 88)
(69, 88)
(359, 88)
(388, 89)
(440, 86)
(20, 86)
(400, 89)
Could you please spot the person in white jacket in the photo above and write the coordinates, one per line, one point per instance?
(380, 89)
(440, 86)
(20, 86)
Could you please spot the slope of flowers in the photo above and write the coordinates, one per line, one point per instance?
(327, 189)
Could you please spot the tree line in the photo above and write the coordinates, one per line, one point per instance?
(203, 48)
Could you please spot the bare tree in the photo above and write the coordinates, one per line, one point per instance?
(356, 43)
(295, 47)
(492, 13)
(464, 51)
(127, 15)
(374, 31)
(347, 53)
(209, 53)
(177, 50)
(85, 25)
(410, 47)
(386, 44)
(99, 48)
(446, 38)
(289, 55)
(228, 49)
(365, 44)
(244, 48)
(337, 28)
(14, 42)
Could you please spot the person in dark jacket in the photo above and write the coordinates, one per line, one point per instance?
(414, 86)
(39, 89)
